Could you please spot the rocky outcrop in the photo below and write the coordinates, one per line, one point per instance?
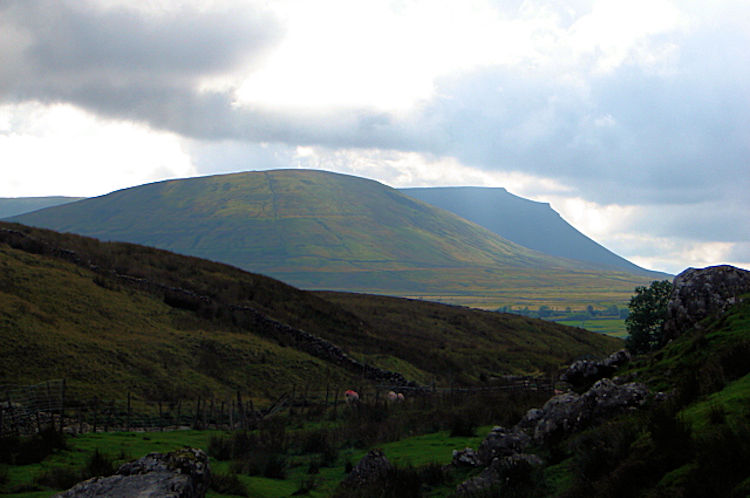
(371, 470)
(698, 293)
(499, 472)
(586, 372)
(183, 473)
(567, 413)
(502, 442)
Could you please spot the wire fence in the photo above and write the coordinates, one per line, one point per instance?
(31, 408)
(27, 409)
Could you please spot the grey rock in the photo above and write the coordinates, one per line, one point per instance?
(501, 442)
(183, 473)
(371, 470)
(466, 457)
(569, 412)
(529, 421)
(617, 359)
(698, 293)
(560, 415)
(495, 474)
(585, 372)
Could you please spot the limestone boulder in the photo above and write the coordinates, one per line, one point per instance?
(698, 293)
(183, 473)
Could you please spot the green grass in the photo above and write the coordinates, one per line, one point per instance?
(614, 327)
(126, 446)
(730, 403)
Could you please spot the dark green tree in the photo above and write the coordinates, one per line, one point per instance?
(648, 310)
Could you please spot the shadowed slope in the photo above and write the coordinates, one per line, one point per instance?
(528, 223)
(13, 206)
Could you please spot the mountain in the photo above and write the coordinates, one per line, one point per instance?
(320, 230)
(531, 224)
(12, 206)
(110, 317)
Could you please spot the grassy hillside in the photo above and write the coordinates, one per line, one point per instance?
(693, 443)
(319, 230)
(112, 316)
(465, 344)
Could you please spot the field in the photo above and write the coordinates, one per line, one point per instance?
(614, 327)
(299, 449)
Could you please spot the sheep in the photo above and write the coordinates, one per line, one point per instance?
(392, 396)
(351, 397)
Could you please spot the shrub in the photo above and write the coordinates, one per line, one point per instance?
(305, 486)
(262, 463)
(228, 484)
(598, 451)
(462, 426)
(59, 477)
(26, 450)
(99, 464)
(220, 448)
(723, 456)
(275, 466)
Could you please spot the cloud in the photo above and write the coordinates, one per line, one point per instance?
(638, 110)
(81, 154)
(171, 69)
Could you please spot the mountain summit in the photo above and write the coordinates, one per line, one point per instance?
(321, 230)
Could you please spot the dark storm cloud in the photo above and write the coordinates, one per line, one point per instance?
(126, 64)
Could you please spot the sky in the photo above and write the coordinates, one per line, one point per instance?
(632, 119)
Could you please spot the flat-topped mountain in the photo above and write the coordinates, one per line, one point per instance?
(529, 223)
(320, 230)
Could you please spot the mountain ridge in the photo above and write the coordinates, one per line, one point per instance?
(322, 230)
(539, 227)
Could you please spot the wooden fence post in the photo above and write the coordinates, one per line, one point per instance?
(62, 406)
(96, 411)
(127, 418)
(240, 417)
(197, 412)
(231, 415)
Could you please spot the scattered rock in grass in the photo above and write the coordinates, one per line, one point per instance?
(373, 468)
(500, 472)
(466, 457)
(183, 473)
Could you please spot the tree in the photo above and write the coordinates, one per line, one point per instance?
(648, 310)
